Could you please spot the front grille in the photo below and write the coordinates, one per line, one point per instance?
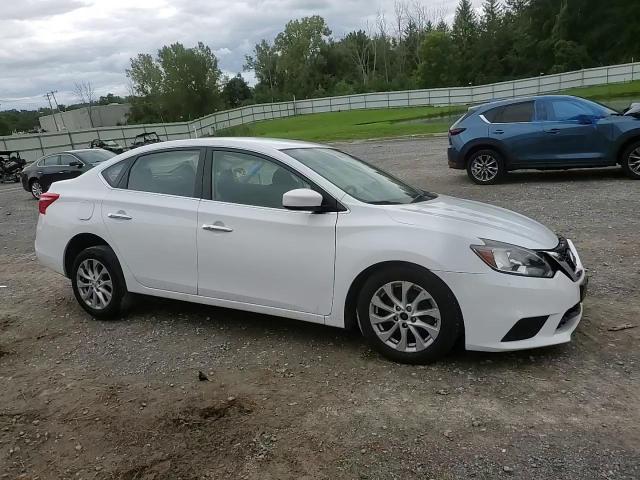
(565, 259)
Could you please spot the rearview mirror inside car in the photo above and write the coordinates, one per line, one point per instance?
(303, 199)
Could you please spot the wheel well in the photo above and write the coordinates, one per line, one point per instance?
(483, 146)
(623, 147)
(78, 244)
(351, 302)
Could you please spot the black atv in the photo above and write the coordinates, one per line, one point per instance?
(145, 138)
(11, 166)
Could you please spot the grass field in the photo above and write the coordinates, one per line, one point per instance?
(390, 122)
(355, 124)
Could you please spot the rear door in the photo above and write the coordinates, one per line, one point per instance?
(515, 127)
(572, 134)
(151, 217)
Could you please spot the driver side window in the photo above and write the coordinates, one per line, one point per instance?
(564, 110)
(251, 180)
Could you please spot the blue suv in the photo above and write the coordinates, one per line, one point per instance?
(543, 132)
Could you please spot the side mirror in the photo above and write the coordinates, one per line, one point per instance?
(75, 164)
(303, 199)
(586, 120)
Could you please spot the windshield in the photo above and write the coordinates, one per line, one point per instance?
(94, 156)
(359, 179)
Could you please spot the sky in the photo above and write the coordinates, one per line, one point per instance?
(50, 45)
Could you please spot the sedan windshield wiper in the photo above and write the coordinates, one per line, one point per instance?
(422, 196)
(384, 202)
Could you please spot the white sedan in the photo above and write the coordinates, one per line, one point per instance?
(308, 232)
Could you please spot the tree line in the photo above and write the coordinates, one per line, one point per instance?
(415, 48)
(412, 48)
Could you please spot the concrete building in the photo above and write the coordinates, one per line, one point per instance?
(102, 116)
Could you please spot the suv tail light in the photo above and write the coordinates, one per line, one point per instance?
(456, 131)
(46, 199)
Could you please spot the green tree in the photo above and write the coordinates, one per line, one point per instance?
(264, 63)
(179, 84)
(300, 60)
(236, 92)
(5, 129)
(435, 68)
(464, 34)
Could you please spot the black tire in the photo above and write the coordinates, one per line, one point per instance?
(33, 189)
(450, 324)
(481, 164)
(107, 258)
(629, 165)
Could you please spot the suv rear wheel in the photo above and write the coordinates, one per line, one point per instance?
(485, 167)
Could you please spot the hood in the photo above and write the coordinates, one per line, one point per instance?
(475, 220)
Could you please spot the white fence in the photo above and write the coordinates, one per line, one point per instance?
(34, 146)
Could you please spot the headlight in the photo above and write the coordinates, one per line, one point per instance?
(507, 258)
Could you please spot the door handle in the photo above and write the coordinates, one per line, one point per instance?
(553, 130)
(498, 132)
(119, 216)
(217, 228)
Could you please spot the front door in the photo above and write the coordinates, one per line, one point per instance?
(66, 171)
(251, 249)
(571, 135)
(152, 219)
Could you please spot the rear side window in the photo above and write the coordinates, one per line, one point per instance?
(516, 113)
(171, 173)
(112, 173)
(49, 161)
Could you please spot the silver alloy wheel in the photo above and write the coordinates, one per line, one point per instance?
(634, 161)
(404, 316)
(36, 189)
(484, 167)
(94, 284)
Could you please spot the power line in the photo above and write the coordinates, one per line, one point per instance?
(48, 95)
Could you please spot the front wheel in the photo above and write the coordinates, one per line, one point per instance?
(409, 315)
(631, 161)
(98, 283)
(485, 167)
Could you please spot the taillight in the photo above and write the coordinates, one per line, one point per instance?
(46, 199)
(456, 131)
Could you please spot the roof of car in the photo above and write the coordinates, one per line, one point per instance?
(509, 101)
(249, 143)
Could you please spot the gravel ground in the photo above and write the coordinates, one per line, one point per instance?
(284, 399)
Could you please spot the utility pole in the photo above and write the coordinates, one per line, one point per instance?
(58, 108)
(48, 95)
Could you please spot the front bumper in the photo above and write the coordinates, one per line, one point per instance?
(493, 303)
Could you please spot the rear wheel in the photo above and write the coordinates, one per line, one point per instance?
(98, 282)
(409, 315)
(631, 161)
(36, 189)
(485, 167)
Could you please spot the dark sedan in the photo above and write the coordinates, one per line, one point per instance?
(38, 177)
